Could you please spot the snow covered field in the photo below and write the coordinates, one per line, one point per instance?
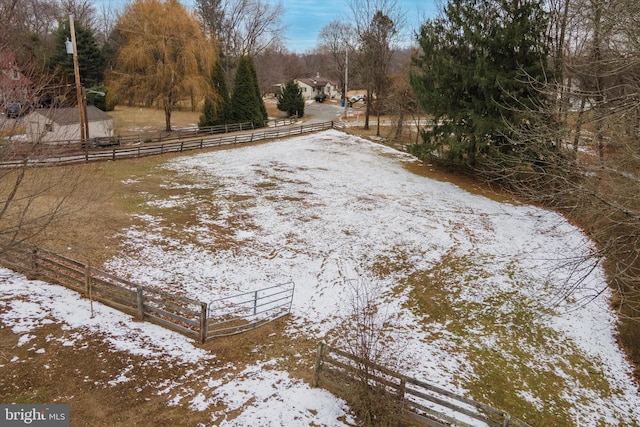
(470, 285)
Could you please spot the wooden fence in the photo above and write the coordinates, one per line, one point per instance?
(69, 154)
(164, 135)
(181, 314)
(421, 402)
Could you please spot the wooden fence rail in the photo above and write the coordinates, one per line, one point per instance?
(422, 402)
(174, 312)
(187, 316)
(164, 135)
(70, 154)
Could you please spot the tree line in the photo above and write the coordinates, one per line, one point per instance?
(541, 98)
(156, 53)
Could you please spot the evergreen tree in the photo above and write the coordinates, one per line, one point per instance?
(258, 92)
(291, 100)
(246, 102)
(216, 103)
(91, 61)
(475, 76)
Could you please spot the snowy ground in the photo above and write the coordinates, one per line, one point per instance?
(333, 213)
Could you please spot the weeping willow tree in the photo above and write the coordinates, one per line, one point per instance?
(165, 57)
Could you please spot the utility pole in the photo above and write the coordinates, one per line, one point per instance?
(81, 108)
(346, 77)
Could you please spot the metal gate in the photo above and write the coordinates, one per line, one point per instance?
(240, 313)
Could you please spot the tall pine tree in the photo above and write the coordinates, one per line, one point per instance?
(216, 103)
(91, 61)
(476, 76)
(291, 100)
(246, 101)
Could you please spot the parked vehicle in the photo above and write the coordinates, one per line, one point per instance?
(14, 110)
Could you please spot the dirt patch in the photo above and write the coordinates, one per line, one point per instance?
(109, 387)
(88, 376)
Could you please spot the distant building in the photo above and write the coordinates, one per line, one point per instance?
(15, 88)
(317, 86)
(63, 124)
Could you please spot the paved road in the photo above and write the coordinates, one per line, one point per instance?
(317, 112)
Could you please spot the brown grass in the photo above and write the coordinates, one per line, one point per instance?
(140, 120)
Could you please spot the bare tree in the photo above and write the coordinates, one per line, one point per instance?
(276, 65)
(82, 10)
(365, 333)
(376, 26)
(241, 27)
(337, 39)
(105, 21)
(32, 199)
(24, 19)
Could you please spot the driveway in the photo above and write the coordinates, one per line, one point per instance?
(317, 112)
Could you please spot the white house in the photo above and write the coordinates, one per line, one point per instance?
(316, 86)
(63, 124)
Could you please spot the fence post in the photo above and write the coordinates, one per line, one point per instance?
(89, 286)
(87, 278)
(402, 388)
(140, 302)
(34, 261)
(255, 302)
(316, 368)
(203, 322)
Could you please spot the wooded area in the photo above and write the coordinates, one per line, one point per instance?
(542, 99)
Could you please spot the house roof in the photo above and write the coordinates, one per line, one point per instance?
(70, 115)
(315, 81)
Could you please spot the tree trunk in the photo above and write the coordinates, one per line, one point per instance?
(399, 126)
(378, 117)
(367, 109)
(167, 116)
(578, 128)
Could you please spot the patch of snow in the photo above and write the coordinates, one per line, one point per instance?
(323, 211)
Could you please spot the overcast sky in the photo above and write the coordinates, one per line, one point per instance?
(305, 19)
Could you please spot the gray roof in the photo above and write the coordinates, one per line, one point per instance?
(71, 115)
(315, 82)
